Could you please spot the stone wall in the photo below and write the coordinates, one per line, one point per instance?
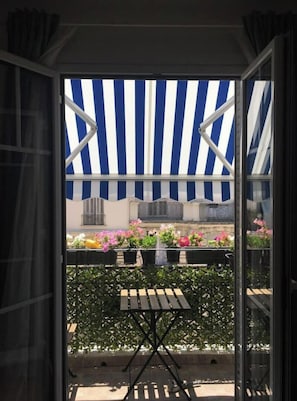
(210, 230)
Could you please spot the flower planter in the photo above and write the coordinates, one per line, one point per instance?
(148, 257)
(204, 256)
(81, 257)
(101, 258)
(91, 257)
(172, 256)
(71, 257)
(258, 257)
(130, 257)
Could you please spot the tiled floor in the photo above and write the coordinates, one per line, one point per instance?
(204, 382)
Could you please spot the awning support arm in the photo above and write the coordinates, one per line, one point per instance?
(210, 120)
(88, 120)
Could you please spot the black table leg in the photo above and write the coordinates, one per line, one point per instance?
(155, 343)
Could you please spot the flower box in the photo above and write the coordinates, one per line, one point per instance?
(91, 257)
(258, 257)
(148, 257)
(206, 256)
(172, 255)
(130, 257)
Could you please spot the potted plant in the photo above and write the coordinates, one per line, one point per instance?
(223, 240)
(258, 244)
(131, 241)
(148, 248)
(78, 242)
(194, 240)
(196, 253)
(75, 247)
(260, 238)
(108, 240)
(170, 237)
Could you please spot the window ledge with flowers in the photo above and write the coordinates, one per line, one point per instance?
(135, 239)
(199, 250)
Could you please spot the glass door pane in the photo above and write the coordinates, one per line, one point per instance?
(258, 289)
(30, 252)
(258, 231)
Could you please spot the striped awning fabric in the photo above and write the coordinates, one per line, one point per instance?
(259, 138)
(143, 139)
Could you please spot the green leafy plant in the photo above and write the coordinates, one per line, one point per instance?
(224, 239)
(132, 237)
(196, 238)
(93, 302)
(261, 238)
(168, 235)
(149, 241)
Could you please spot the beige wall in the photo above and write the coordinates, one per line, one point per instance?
(191, 211)
(116, 216)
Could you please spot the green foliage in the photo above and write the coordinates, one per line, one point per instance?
(148, 241)
(257, 240)
(260, 238)
(168, 235)
(93, 301)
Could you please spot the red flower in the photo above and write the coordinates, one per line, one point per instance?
(184, 241)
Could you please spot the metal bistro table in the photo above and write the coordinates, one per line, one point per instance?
(146, 307)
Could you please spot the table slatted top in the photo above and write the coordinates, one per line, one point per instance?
(150, 299)
(260, 298)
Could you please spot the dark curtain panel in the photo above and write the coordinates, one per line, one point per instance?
(30, 32)
(261, 29)
(27, 255)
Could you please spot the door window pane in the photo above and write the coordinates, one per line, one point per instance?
(27, 250)
(259, 225)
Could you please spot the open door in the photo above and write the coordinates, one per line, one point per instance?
(258, 229)
(31, 302)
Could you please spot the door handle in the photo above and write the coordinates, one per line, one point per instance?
(293, 285)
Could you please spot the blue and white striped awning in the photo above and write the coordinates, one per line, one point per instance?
(149, 139)
(259, 138)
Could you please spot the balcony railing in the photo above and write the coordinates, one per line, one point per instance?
(93, 302)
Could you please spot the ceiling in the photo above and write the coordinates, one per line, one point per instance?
(150, 12)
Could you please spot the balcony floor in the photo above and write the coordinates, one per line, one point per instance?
(107, 382)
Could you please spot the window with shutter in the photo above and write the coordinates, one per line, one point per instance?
(160, 210)
(93, 212)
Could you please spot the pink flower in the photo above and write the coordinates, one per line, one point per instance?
(259, 222)
(196, 238)
(108, 239)
(184, 241)
(223, 239)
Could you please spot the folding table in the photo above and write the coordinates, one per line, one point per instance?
(260, 299)
(146, 306)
